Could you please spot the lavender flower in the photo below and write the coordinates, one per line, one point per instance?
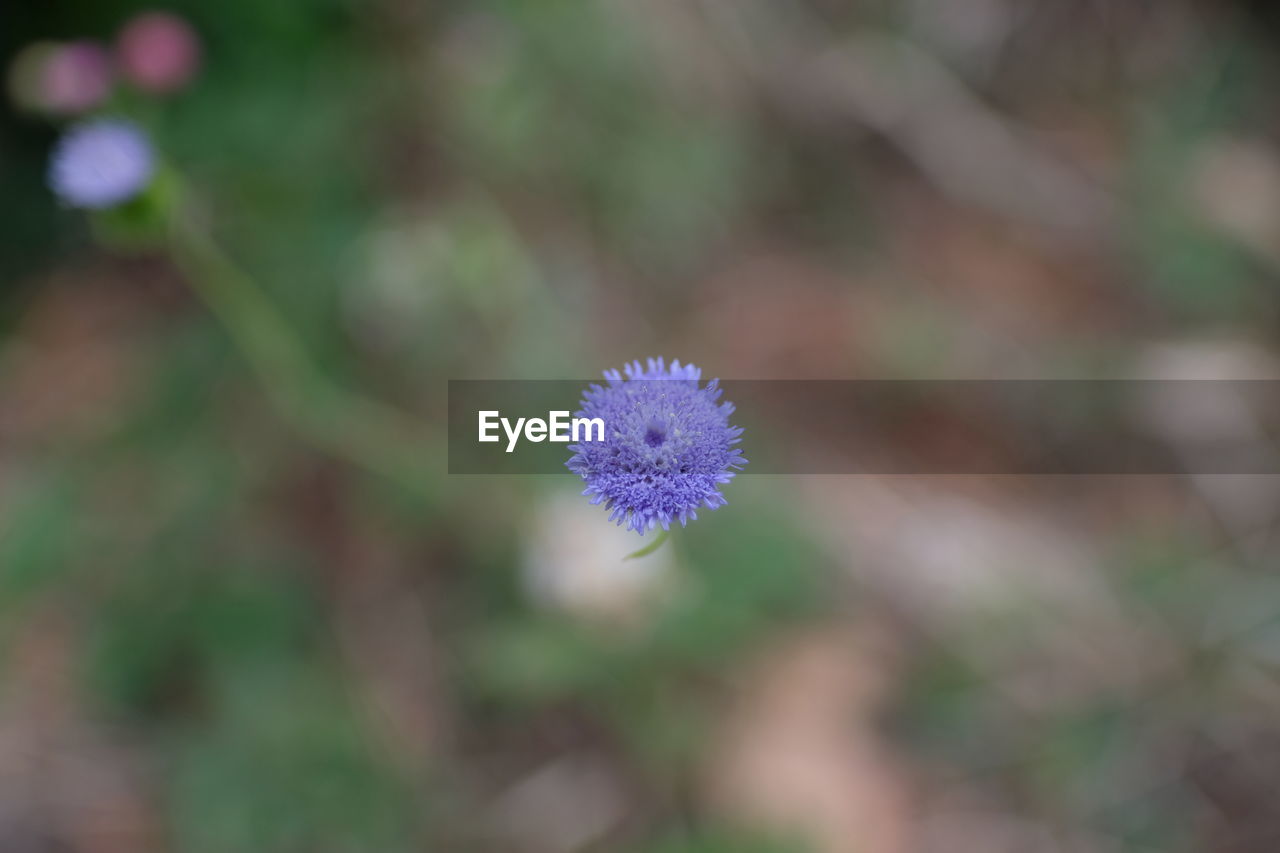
(101, 163)
(667, 448)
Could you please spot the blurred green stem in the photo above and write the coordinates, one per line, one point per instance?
(663, 536)
(363, 431)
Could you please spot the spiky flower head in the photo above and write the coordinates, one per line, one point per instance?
(101, 163)
(667, 448)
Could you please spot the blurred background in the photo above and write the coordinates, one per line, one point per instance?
(217, 634)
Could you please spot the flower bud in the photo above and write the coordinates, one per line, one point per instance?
(158, 52)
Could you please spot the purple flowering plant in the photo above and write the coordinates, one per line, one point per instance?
(101, 163)
(109, 166)
(668, 445)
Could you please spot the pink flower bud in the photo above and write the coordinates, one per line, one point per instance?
(76, 77)
(158, 51)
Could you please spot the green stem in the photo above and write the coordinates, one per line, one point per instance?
(363, 431)
(662, 537)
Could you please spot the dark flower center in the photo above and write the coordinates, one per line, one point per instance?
(656, 434)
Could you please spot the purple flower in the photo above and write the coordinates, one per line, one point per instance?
(100, 163)
(667, 448)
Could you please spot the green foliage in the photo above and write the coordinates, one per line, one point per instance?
(1192, 270)
(745, 578)
(37, 537)
(748, 575)
(287, 766)
(662, 181)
